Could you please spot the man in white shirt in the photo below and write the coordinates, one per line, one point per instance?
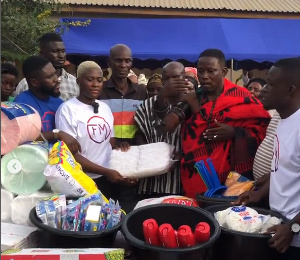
(53, 48)
(283, 94)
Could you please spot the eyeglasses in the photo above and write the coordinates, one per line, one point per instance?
(10, 85)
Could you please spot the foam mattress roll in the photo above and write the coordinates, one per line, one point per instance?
(20, 123)
(22, 169)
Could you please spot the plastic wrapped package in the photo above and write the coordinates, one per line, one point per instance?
(22, 205)
(65, 175)
(22, 169)
(237, 184)
(245, 219)
(171, 199)
(6, 201)
(143, 161)
(20, 123)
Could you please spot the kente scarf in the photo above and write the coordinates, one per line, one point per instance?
(237, 108)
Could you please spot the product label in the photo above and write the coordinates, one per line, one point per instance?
(41, 144)
(238, 209)
(13, 110)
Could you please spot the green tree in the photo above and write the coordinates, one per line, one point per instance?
(23, 22)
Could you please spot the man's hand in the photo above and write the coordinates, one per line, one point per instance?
(70, 141)
(262, 180)
(282, 238)
(221, 133)
(175, 86)
(248, 197)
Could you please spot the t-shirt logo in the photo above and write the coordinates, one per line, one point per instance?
(48, 120)
(98, 129)
(275, 154)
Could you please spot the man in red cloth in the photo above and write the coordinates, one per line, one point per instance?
(221, 121)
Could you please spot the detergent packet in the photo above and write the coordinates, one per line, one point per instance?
(65, 175)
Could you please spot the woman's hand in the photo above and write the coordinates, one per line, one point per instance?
(70, 141)
(221, 133)
(114, 176)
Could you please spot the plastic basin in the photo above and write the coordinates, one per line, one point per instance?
(240, 245)
(176, 215)
(58, 238)
(208, 201)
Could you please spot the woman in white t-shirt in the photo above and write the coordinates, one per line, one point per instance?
(90, 122)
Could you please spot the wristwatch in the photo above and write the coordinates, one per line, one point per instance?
(295, 228)
(55, 133)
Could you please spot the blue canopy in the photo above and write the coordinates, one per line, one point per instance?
(240, 39)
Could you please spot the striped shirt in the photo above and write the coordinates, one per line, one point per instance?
(263, 158)
(68, 87)
(123, 107)
(147, 121)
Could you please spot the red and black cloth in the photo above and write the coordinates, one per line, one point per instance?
(235, 107)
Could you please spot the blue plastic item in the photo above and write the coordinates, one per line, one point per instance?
(210, 178)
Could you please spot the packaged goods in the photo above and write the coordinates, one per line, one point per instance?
(20, 123)
(143, 161)
(62, 254)
(245, 219)
(22, 205)
(150, 230)
(65, 175)
(6, 201)
(17, 236)
(22, 169)
(237, 184)
(90, 213)
(172, 199)
(166, 236)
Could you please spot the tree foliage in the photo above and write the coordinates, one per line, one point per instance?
(23, 22)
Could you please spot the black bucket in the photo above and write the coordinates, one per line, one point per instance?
(208, 201)
(176, 215)
(240, 245)
(58, 238)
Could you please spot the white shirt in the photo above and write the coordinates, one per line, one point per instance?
(285, 171)
(92, 131)
(68, 86)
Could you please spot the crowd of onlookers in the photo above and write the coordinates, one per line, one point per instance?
(253, 130)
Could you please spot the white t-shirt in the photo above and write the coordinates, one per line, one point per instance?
(92, 131)
(285, 171)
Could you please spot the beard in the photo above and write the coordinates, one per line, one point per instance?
(50, 91)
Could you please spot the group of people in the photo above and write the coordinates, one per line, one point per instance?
(198, 111)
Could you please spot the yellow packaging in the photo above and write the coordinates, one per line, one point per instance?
(65, 175)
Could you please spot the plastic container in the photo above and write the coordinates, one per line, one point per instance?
(176, 215)
(240, 245)
(208, 201)
(58, 238)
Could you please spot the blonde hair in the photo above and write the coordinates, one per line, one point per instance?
(85, 66)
